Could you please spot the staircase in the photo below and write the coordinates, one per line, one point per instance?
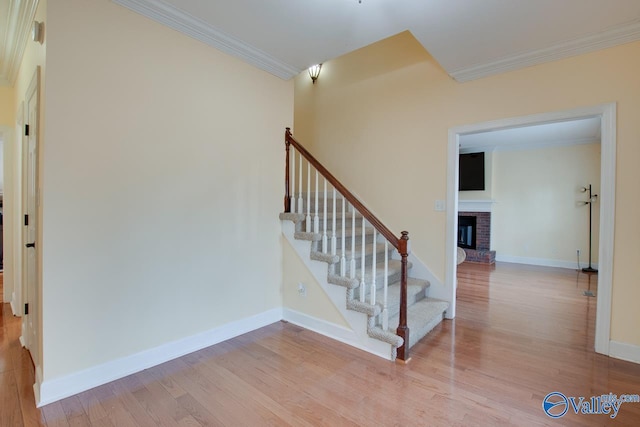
(361, 255)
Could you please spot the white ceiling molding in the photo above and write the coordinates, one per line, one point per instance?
(198, 29)
(605, 39)
(19, 21)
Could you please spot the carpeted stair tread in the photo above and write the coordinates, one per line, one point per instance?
(348, 235)
(339, 216)
(422, 317)
(393, 272)
(290, 216)
(368, 250)
(368, 253)
(416, 290)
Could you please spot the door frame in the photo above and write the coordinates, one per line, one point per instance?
(31, 342)
(607, 115)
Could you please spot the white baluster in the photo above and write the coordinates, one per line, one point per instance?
(324, 220)
(316, 219)
(293, 181)
(333, 228)
(308, 223)
(373, 269)
(300, 201)
(363, 286)
(385, 311)
(352, 264)
(343, 258)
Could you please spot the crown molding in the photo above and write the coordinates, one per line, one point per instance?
(625, 33)
(172, 17)
(20, 18)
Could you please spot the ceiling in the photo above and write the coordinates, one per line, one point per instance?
(469, 38)
(582, 131)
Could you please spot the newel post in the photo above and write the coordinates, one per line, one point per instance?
(287, 199)
(403, 329)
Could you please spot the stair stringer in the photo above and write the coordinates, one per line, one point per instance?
(358, 322)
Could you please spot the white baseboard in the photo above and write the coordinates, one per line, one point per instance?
(59, 388)
(624, 351)
(14, 305)
(36, 386)
(573, 265)
(331, 330)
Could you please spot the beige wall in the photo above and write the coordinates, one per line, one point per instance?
(316, 303)
(7, 106)
(7, 124)
(391, 105)
(162, 186)
(539, 216)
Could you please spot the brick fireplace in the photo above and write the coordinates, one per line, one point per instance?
(474, 236)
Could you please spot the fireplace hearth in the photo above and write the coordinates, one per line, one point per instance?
(474, 236)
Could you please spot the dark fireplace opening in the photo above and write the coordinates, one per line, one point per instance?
(467, 232)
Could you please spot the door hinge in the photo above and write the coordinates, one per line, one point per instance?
(26, 309)
(26, 219)
(26, 130)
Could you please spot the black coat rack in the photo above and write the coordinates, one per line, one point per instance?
(592, 199)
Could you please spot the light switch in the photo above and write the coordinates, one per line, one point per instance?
(439, 205)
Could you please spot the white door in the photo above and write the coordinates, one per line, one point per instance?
(31, 307)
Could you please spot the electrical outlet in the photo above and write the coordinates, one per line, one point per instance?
(302, 290)
(439, 206)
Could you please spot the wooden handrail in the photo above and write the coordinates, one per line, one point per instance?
(375, 222)
(401, 243)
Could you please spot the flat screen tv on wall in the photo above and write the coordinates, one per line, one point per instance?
(471, 172)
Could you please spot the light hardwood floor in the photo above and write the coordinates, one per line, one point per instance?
(520, 333)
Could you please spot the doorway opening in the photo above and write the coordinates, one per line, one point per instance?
(607, 115)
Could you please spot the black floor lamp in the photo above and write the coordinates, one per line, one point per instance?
(592, 200)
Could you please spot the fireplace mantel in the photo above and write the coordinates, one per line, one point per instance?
(475, 205)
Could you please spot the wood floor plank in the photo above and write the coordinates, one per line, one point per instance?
(520, 333)
(72, 408)
(55, 416)
(10, 413)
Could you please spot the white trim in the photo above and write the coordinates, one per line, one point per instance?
(607, 226)
(169, 15)
(475, 205)
(328, 329)
(451, 243)
(20, 19)
(590, 43)
(37, 384)
(59, 388)
(607, 113)
(14, 305)
(544, 262)
(624, 351)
